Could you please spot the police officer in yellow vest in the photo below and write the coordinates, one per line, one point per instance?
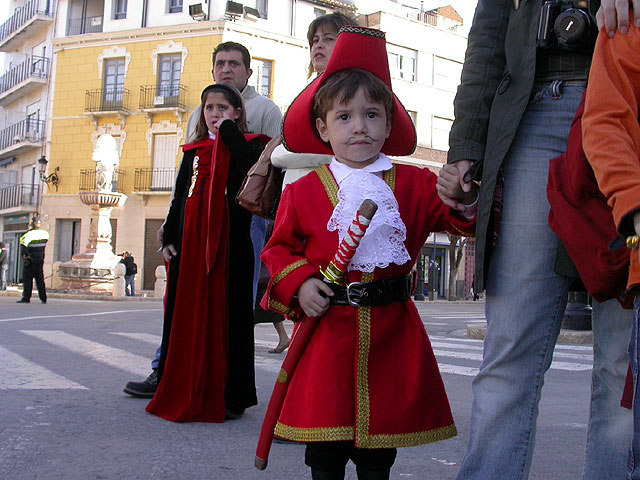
(32, 246)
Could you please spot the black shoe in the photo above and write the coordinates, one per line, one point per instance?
(23, 300)
(146, 389)
(234, 415)
(43, 301)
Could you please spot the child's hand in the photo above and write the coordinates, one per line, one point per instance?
(313, 296)
(169, 252)
(452, 189)
(216, 127)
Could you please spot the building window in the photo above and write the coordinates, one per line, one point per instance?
(446, 73)
(164, 162)
(318, 12)
(169, 75)
(174, 6)
(402, 63)
(261, 6)
(68, 239)
(113, 82)
(414, 117)
(440, 129)
(119, 9)
(262, 74)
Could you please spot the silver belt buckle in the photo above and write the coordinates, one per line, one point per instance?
(354, 295)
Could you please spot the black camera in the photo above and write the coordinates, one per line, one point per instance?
(566, 24)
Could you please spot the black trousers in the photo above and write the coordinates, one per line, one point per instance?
(30, 271)
(333, 457)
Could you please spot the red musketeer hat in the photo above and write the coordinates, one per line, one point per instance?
(356, 47)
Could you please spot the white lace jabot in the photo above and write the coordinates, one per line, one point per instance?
(383, 243)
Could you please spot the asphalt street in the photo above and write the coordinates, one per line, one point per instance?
(63, 414)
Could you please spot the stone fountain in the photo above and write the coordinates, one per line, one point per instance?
(94, 269)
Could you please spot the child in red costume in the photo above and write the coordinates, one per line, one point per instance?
(206, 369)
(368, 381)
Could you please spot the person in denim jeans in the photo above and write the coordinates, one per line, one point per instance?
(513, 112)
(611, 134)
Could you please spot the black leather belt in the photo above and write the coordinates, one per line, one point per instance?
(380, 292)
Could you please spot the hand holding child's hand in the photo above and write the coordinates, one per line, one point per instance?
(452, 189)
(313, 297)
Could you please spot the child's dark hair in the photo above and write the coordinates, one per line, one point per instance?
(335, 21)
(342, 87)
(230, 47)
(233, 96)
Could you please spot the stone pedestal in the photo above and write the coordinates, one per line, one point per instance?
(94, 269)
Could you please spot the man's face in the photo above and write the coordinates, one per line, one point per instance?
(356, 130)
(228, 68)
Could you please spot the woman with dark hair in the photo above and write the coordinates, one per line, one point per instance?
(206, 369)
(321, 35)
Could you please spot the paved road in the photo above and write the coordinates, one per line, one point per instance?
(63, 413)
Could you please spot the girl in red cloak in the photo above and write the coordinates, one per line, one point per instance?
(206, 370)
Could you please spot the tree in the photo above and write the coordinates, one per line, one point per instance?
(455, 250)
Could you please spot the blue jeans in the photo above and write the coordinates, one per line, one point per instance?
(525, 303)
(258, 234)
(634, 354)
(129, 285)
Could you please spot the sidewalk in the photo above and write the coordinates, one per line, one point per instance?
(143, 296)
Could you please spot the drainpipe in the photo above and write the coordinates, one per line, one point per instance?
(144, 13)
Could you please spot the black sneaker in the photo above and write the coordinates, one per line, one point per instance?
(23, 300)
(144, 389)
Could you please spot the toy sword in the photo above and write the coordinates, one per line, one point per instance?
(334, 273)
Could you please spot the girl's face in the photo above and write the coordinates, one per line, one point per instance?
(322, 43)
(216, 109)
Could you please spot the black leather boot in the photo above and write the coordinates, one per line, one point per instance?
(365, 474)
(326, 475)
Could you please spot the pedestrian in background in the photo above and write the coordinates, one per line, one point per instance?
(32, 245)
(4, 265)
(518, 95)
(131, 269)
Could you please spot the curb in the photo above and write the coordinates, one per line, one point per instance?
(144, 297)
(572, 337)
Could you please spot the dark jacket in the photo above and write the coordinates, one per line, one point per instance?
(130, 266)
(497, 80)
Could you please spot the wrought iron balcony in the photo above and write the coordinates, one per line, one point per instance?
(79, 26)
(88, 180)
(20, 196)
(27, 134)
(154, 179)
(25, 22)
(23, 78)
(107, 100)
(167, 96)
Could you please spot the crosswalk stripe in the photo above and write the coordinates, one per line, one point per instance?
(114, 357)
(18, 373)
(66, 315)
(574, 367)
(143, 337)
(458, 370)
(556, 354)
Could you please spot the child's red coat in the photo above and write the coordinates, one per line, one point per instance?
(369, 373)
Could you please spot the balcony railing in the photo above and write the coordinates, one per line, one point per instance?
(32, 67)
(28, 130)
(23, 15)
(79, 26)
(19, 196)
(107, 100)
(154, 179)
(166, 96)
(88, 180)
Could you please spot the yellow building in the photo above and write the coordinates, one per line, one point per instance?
(140, 86)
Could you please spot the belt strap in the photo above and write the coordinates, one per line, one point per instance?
(380, 292)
